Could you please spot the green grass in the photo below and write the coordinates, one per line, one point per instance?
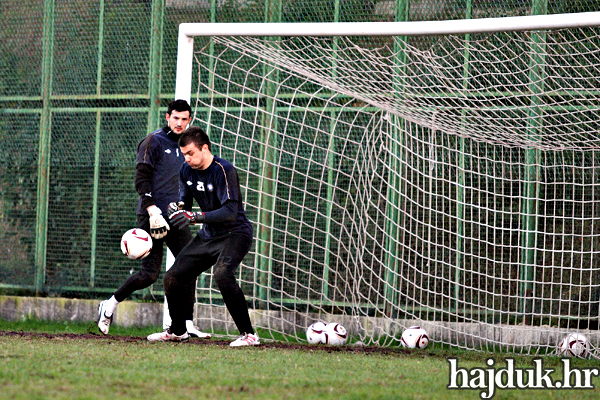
(67, 366)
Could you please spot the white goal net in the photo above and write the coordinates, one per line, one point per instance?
(450, 181)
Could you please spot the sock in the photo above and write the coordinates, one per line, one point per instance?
(111, 305)
(189, 324)
(177, 329)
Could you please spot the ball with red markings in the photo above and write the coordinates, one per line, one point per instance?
(574, 345)
(314, 333)
(136, 244)
(335, 334)
(415, 337)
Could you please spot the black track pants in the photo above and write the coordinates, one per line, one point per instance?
(149, 272)
(199, 255)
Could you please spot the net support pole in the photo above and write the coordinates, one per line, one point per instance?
(329, 209)
(266, 203)
(460, 175)
(43, 187)
(100, 49)
(396, 126)
(269, 139)
(330, 169)
(531, 186)
(96, 190)
(95, 193)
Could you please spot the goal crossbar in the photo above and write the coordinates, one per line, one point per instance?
(409, 28)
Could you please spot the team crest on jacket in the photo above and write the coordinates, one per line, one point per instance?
(210, 187)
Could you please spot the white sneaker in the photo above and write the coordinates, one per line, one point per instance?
(195, 332)
(246, 339)
(167, 336)
(103, 319)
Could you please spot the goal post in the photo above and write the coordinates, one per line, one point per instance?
(441, 174)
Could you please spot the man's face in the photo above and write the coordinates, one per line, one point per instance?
(178, 121)
(195, 157)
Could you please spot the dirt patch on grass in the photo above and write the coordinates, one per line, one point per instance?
(206, 342)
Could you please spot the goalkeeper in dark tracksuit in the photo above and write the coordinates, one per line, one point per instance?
(223, 241)
(157, 182)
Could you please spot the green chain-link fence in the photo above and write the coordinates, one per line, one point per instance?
(82, 82)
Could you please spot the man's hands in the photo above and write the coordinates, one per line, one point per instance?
(158, 224)
(174, 207)
(183, 218)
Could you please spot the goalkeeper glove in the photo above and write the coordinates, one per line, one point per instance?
(183, 218)
(174, 207)
(158, 224)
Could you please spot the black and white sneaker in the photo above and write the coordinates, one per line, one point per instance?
(193, 331)
(103, 319)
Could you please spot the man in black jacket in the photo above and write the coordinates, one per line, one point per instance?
(222, 242)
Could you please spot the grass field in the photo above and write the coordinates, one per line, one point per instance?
(40, 360)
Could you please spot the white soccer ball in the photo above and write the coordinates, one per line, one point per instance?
(136, 244)
(335, 334)
(574, 345)
(415, 337)
(314, 333)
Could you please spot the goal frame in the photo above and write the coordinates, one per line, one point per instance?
(188, 31)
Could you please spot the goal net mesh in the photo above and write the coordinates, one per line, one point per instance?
(442, 181)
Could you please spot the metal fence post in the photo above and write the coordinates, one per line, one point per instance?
(43, 178)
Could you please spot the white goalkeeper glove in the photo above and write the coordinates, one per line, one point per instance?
(158, 224)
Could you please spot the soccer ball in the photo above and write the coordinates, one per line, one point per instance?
(574, 345)
(415, 337)
(335, 334)
(136, 244)
(314, 333)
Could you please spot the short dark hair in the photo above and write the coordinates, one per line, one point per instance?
(180, 106)
(196, 135)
